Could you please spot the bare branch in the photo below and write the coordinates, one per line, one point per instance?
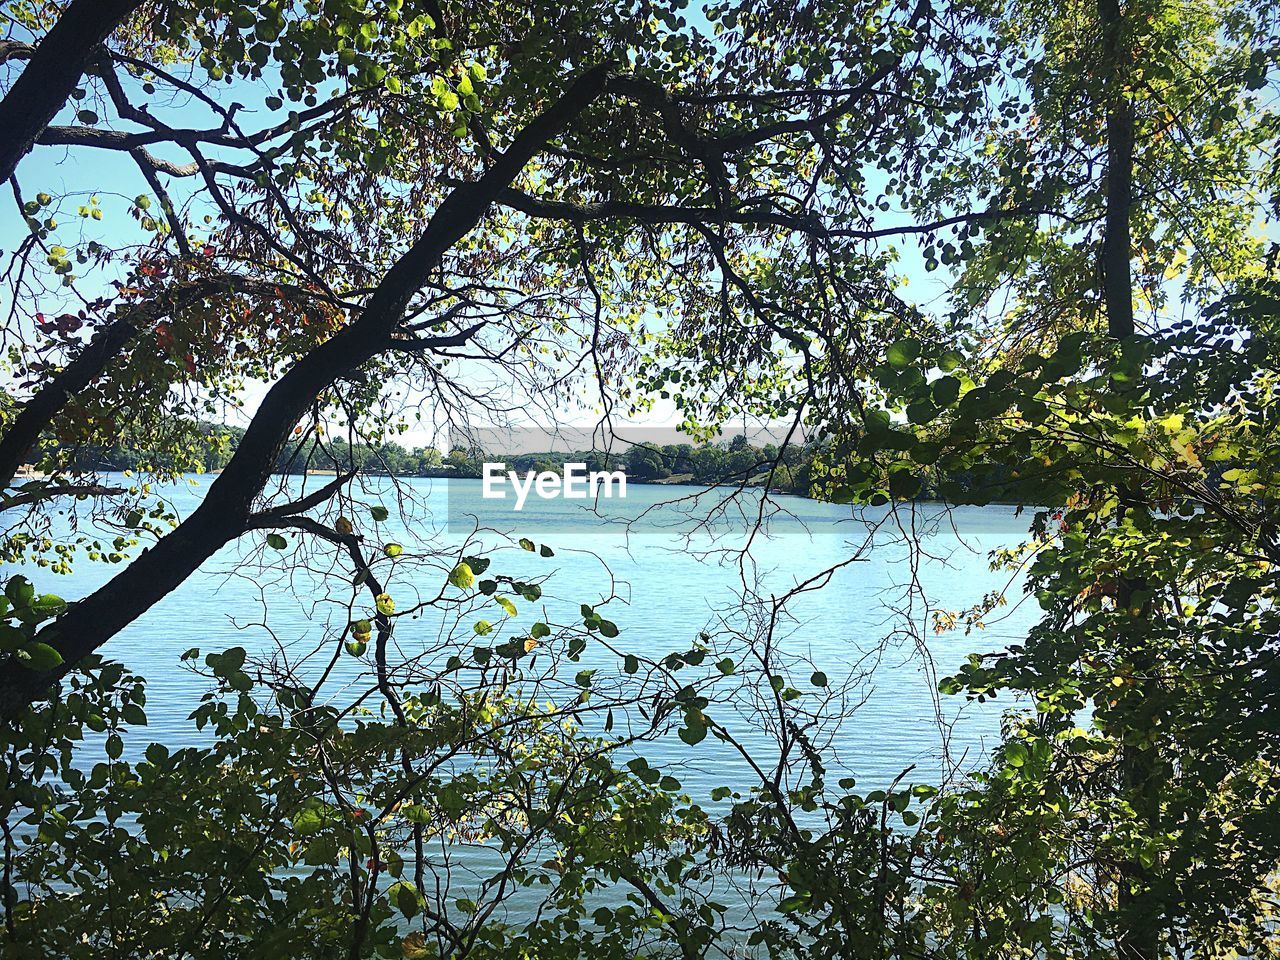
(423, 344)
(302, 505)
(26, 497)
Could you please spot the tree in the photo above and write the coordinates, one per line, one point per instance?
(275, 286)
(459, 214)
(646, 463)
(1104, 365)
(342, 201)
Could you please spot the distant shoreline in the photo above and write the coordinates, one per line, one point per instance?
(676, 480)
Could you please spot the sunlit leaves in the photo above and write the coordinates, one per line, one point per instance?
(462, 576)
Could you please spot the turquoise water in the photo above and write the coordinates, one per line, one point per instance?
(663, 578)
(869, 629)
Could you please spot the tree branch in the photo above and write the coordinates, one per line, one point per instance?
(102, 348)
(423, 344)
(226, 508)
(9, 501)
(810, 224)
(15, 50)
(313, 499)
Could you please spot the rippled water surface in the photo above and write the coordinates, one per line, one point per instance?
(671, 582)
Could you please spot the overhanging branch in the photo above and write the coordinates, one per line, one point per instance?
(227, 507)
(27, 497)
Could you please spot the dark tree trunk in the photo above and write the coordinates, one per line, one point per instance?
(55, 68)
(1117, 276)
(1139, 931)
(225, 511)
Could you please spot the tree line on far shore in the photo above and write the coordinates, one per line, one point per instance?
(212, 446)
(787, 469)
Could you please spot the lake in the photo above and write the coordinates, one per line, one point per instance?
(869, 629)
(670, 582)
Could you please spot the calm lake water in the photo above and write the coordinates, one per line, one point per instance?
(670, 582)
(869, 629)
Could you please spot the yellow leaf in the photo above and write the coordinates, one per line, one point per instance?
(414, 946)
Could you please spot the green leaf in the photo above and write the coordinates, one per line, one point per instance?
(47, 606)
(462, 577)
(945, 391)
(276, 542)
(379, 513)
(1016, 753)
(134, 715)
(39, 656)
(950, 686)
(227, 662)
(20, 592)
(903, 353)
(695, 729)
(393, 550)
(794, 902)
(308, 820)
(949, 361)
(416, 813)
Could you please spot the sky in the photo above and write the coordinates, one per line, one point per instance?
(64, 173)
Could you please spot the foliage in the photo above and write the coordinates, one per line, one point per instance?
(294, 827)
(412, 213)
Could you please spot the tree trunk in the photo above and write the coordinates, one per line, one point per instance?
(1117, 276)
(224, 513)
(1139, 928)
(55, 68)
